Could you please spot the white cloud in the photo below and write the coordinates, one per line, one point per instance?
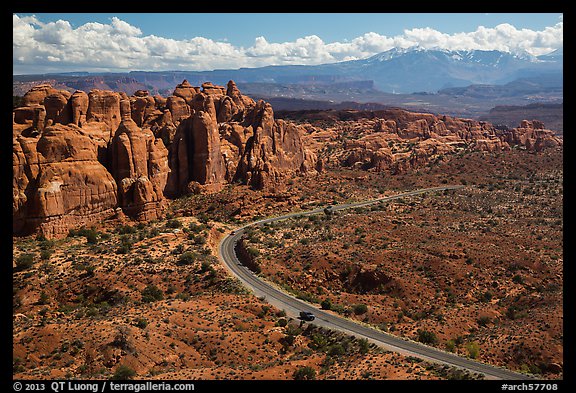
(118, 46)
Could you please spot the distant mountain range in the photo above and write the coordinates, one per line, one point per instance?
(394, 71)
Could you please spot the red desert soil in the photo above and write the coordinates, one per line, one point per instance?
(465, 270)
(477, 271)
(153, 298)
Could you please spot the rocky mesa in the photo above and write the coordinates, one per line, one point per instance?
(83, 157)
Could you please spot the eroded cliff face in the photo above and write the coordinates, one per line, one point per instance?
(78, 157)
(59, 182)
(228, 137)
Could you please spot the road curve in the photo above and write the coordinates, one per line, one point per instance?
(293, 306)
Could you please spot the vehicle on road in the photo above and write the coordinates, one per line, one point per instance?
(233, 232)
(307, 316)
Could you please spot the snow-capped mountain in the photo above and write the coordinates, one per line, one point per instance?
(406, 71)
(399, 70)
(492, 57)
(557, 55)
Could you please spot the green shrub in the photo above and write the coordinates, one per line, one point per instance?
(141, 323)
(152, 293)
(91, 236)
(487, 296)
(254, 252)
(304, 373)
(187, 258)
(173, 223)
(336, 350)
(123, 373)
(326, 304)
(282, 322)
(125, 244)
(126, 229)
(427, 337)
(473, 349)
(24, 261)
(360, 309)
(483, 321)
(364, 345)
(44, 298)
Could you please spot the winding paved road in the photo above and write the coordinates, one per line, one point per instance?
(293, 306)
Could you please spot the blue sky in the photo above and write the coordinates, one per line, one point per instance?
(154, 41)
(242, 29)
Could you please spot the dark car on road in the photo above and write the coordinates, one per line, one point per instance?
(306, 316)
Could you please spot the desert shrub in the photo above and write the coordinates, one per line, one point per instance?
(141, 323)
(360, 309)
(123, 373)
(17, 365)
(206, 266)
(487, 296)
(483, 321)
(293, 330)
(126, 229)
(336, 350)
(364, 345)
(318, 342)
(45, 254)
(450, 345)
(91, 236)
(121, 338)
(152, 293)
(90, 270)
(173, 223)
(326, 304)
(304, 373)
(427, 337)
(199, 239)
(44, 298)
(514, 312)
(125, 244)
(473, 349)
(187, 258)
(282, 322)
(254, 252)
(24, 261)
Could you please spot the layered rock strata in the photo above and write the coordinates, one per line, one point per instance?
(79, 156)
(397, 141)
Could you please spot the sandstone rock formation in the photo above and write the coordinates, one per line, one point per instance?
(62, 152)
(140, 168)
(140, 149)
(223, 137)
(396, 140)
(59, 183)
